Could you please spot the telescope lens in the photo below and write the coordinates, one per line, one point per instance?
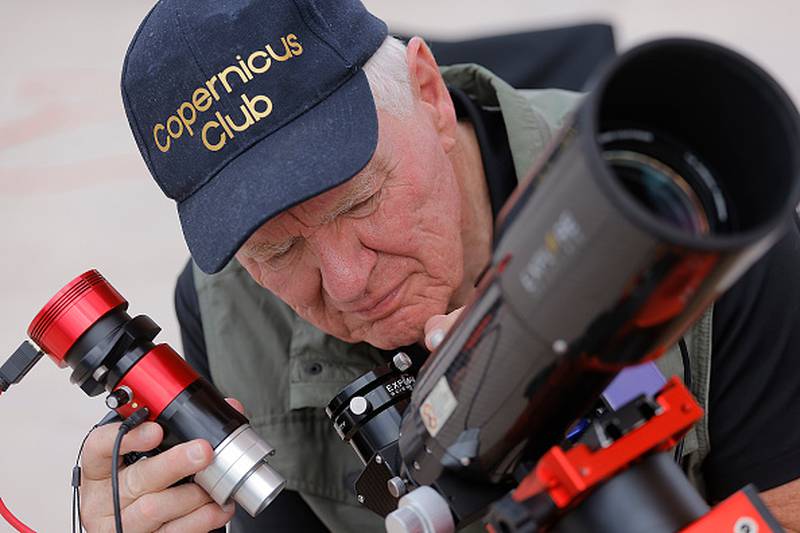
(667, 179)
(659, 188)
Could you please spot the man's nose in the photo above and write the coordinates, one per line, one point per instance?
(345, 263)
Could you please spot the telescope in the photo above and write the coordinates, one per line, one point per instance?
(677, 171)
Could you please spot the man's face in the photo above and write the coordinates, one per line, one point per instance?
(372, 259)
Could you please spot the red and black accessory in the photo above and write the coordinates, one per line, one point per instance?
(621, 479)
(86, 327)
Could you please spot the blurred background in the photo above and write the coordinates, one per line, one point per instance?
(74, 193)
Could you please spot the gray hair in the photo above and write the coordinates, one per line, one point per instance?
(387, 73)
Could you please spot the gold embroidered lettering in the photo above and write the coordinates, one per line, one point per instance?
(224, 124)
(201, 99)
(244, 68)
(267, 62)
(251, 106)
(297, 48)
(174, 120)
(156, 129)
(222, 139)
(210, 84)
(187, 121)
(223, 76)
(286, 52)
(248, 120)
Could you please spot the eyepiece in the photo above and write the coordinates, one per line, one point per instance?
(240, 472)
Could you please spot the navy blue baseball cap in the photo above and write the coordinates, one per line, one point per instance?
(243, 108)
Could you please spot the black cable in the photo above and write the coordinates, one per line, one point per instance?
(687, 380)
(115, 479)
(111, 416)
(131, 422)
(76, 485)
(687, 364)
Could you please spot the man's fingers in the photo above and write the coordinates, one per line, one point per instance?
(96, 457)
(437, 327)
(236, 404)
(208, 517)
(151, 511)
(156, 473)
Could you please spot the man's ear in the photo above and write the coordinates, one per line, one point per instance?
(430, 90)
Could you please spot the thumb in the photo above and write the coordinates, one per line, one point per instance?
(437, 326)
(236, 404)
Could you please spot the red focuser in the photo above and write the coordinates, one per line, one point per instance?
(72, 311)
(156, 380)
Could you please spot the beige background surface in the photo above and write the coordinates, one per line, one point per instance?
(75, 195)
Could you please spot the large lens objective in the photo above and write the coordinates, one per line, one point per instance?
(660, 188)
(667, 179)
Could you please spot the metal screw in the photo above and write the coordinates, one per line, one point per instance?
(465, 461)
(585, 471)
(402, 361)
(428, 450)
(378, 459)
(360, 498)
(100, 373)
(560, 346)
(416, 465)
(396, 486)
(745, 524)
(359, 405)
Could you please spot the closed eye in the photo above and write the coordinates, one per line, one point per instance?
(365, 207)
(281, 256)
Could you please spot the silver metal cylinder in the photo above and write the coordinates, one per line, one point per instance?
(423, 510)
(240, 472)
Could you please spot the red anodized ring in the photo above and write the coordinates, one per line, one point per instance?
(71, 312)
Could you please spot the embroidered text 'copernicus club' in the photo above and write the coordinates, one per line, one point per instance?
(215, 133)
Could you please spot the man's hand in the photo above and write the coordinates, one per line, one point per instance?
(437, 327)
(148, 500)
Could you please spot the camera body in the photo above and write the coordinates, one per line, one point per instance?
(86, 327)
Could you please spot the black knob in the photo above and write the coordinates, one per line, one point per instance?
(119, 397)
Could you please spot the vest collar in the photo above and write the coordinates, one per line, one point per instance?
(527, 130)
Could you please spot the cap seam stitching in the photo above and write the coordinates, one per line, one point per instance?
(228, 103)
(225, 96)
(318, 32)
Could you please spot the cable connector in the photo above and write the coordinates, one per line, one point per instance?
(135, 419)
(19, 364)
(128, 424)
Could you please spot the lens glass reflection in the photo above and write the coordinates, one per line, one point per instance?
(664, 192)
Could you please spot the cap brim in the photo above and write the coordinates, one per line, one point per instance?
(320, 149)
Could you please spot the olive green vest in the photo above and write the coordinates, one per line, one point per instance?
(284, 370)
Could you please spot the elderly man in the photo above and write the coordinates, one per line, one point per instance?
(343, 189)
